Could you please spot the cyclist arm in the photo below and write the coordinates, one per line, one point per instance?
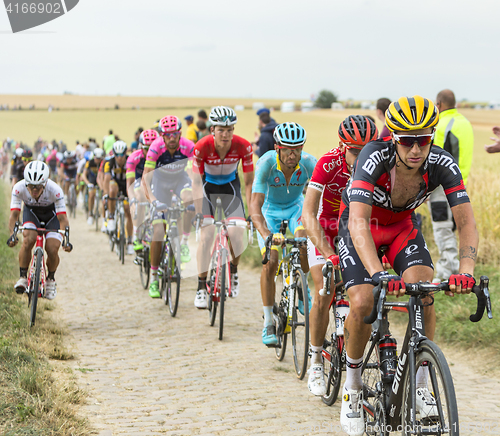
(13, 218)
(107, 180)
(84, 176)
(146, 183)
(256, 213)
(63, 221)
(313, 228)
(197, 192)
(359, 227)
(468, 236)
(248, 179)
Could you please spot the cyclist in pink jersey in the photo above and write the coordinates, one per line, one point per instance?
(320, 216)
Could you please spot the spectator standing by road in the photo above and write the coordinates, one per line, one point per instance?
(494, 148)
(454, 134)
(108, 142)
(265, 141)
(192, 130)
(382, 105)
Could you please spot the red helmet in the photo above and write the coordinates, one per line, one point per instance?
(357, 130)
(169, 124)
(147, 137)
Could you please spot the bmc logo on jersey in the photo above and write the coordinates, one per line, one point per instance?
(444, 160)
(374, 159)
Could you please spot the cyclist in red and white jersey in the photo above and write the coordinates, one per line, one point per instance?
(44, 207)
(391, 179)
(320, 216)
(215, 174)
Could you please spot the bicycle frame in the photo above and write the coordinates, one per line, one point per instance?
(220, 247)
(39, 247)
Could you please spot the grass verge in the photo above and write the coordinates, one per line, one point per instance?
(36, 397)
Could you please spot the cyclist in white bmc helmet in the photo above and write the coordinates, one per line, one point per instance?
(43, 208)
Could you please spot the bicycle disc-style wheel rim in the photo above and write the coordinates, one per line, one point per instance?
(440, 384)
(280, 319)
(36, 287)
(300, 326)
(173, 276)
(224, 285)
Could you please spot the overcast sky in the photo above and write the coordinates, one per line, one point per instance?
(361, 49)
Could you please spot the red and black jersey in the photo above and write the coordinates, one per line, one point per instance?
(373, 181)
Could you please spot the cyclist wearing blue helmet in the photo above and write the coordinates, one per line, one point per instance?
(280, 177)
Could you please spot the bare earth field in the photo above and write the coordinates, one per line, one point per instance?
(147, 373)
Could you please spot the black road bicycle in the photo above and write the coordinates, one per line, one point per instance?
(389, 383)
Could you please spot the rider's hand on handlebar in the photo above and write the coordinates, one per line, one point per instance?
(68, 247)
(334, 259)
(395, 284)
(278, 239)
(12, 242)
(461, 283)
(158, 205)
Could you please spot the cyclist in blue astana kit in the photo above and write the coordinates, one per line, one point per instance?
(280, 178)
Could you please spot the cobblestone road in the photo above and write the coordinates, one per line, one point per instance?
(150, 374)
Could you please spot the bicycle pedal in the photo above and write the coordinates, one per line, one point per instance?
(273, 345)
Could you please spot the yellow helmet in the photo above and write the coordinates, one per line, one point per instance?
(411, 113)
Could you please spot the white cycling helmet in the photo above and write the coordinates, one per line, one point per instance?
(19, 152)
(36, 173)
(119, 147)
(68, 154)
(222, 116)
(98, 153)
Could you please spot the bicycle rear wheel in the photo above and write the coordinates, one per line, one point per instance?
(442, 418)
(145, 268)
(122, 238)
(300, 325)
(333, 361)
(224, 287)
(72, 200)
(280, 318)
(96, 210)
(35, 286)
(174, 275)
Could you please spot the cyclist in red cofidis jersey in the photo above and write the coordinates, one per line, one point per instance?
(320, 216)
(391, 179)
(215, 174)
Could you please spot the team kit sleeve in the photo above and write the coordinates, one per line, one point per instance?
(369, 167)
(58, 197)
(261, 175)
(199, 155)
(320, 177)
(16, 200)
(131, 164)
(246, 155)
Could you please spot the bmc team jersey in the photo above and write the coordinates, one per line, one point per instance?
(52, 197)
(373, 181)
(69, 169)
(135, 164)
(270, 180)
(221, 171)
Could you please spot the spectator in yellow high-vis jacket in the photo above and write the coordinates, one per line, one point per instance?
(454, 134)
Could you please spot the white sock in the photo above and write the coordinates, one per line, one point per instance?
(422, 376)
(154, 274)
(316, 355)
(268, 315)
(185, 238)
(353, 379)
(135, 232)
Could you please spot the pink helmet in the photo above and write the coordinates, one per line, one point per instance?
(147, 137)
(169, 124)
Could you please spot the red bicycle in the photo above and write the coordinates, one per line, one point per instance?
(37, 273)
(219, 274)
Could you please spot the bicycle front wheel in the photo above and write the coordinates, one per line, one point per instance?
(280, 318)
(35, 286)
(145, 268)
(173, 275)
(300, 324)
(96, 210)
(442, 417)
(224, 287)
(122, 238)
(212, 285)
(333, 361)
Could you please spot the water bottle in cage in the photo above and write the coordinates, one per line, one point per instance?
(388, 358)
(341, 312)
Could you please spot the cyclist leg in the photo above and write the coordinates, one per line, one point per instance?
(295, 224)
(159, 226)
(185, 193)
(113, 193)
(267, 284)
(29, 240)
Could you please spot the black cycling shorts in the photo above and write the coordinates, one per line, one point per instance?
(42, 218)
(406, 248)
(230, 195)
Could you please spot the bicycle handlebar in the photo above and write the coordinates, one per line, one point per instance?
(296, 242)
(18, 227)
(418, 289)
(327, 271)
